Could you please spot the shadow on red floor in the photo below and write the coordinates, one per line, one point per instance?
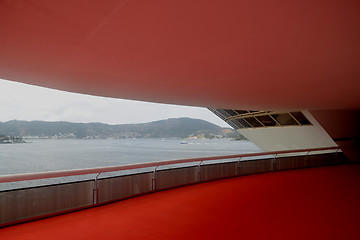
(316, 203)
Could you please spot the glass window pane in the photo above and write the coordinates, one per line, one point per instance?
(232, 125)
(253, 122)
(284, 119)
(243, 122)
(225, 114)
(266, 120)
(241, 112)
(231, 112)
(219, 114)
(236, 123)
(301, 118)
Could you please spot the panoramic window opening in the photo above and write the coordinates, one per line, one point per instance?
(55, 130)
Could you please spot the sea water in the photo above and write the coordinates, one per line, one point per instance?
(64, 154)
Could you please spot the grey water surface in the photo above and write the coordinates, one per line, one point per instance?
(63, 154)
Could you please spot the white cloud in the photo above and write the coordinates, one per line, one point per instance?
(26, 102)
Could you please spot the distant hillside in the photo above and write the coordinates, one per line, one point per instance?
(170, 128)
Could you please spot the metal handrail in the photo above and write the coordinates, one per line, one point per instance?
(76, 172)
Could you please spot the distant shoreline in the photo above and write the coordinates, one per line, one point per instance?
(10, 139)
(182, 128)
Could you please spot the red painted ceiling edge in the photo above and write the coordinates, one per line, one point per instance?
(235, 54)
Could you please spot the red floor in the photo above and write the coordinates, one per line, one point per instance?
(317, 203)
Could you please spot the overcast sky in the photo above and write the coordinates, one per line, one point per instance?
(26, 102)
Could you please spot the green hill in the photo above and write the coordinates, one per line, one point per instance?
(170, 128)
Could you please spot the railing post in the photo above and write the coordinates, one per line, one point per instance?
(274, 162)
(307, 159)
(337, 156)
(96, 190)
(199, 171)
(154, 179)
(238, 167)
